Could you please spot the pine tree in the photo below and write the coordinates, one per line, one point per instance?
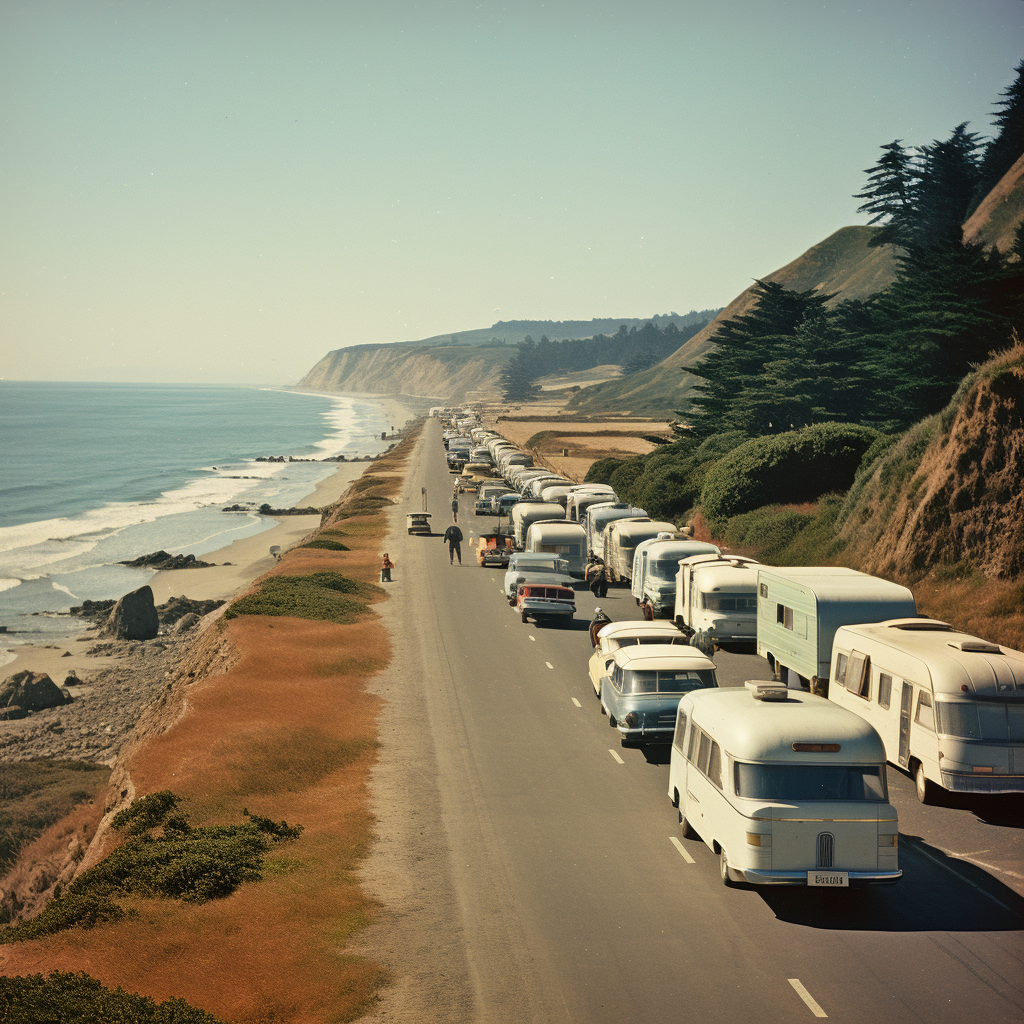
(890, 194)
(1008, 145)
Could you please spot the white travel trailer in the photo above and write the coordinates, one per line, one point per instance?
(800, 608)
(718, 595)
(599, 516)
(948, 706)
(557, 492)
(539, 483)
(621, 538)
(786, 788)
(582, 497)
(655, 564)
(558, 537)
(526, 512)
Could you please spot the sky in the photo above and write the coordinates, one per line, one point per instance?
(199, 191)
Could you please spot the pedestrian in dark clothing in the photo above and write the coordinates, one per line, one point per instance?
(597, 576)
(455, 509)
(600, 619)
(453, 538)
(385, 570)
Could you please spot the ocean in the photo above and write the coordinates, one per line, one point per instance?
(93, 474)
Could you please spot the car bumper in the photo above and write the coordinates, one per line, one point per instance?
(641, 737)
(546, 608)
(979, 782)
(758, 876)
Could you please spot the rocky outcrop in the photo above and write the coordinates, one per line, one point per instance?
(176, 608)
(163, 560)
(27, 692)
(951, 491)
(134, 617)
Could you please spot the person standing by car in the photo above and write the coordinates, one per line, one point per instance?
(453, 538)
(455, 508)
(597, 576)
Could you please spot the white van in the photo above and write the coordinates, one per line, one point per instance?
(948, 706)
(717, 595)
(558, 537)
(655, 564)
(785, 787)
(621, 538)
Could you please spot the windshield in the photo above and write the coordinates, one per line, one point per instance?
(664, 569)
(992, 721)
(794, 783)
(730, 602)
(560, 565)
(667, 680)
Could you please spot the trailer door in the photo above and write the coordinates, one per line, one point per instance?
(906, 703)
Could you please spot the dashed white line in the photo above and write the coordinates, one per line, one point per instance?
(549, 665)
(576, 702)
(533, 638)
(807, 997)
(682, 850)
(616, 756)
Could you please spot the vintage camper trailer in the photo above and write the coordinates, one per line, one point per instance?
(582, 497)
(948, 706)
(718, 595)
(526, 512)
(655, 564)
(799, 610)
(600, 515)
(562, 538)
(621, 538)
(785, 788)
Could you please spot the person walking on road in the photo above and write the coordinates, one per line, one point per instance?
(453, 538)
(597, 576)
(455, 508)
(600, 619)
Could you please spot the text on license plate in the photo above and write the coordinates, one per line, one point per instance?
(835, 878)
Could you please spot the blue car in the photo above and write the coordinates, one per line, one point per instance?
(641, 692)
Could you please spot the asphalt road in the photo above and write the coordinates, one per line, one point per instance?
(576, 897)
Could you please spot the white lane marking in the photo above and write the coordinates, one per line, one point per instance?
(807, 998)
(533, 638)
(549, 665)
(682, 852)
(576, 702)
(962, 878)
(616, 756)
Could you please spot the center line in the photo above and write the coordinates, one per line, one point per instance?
(682, 851)
(533, 638)
(576, 702)
(549, 665)
(807, 997)
(616, 756)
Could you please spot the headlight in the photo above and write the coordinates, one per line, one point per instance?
(632, 720)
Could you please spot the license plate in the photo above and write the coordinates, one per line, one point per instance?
(828, 878)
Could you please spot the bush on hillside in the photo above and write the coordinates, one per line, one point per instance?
(600, 472)
(318, 595)
(789, 468)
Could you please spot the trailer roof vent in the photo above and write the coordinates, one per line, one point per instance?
(975, 646)
(766, 689)
(922, 624)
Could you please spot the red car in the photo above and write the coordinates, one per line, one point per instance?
(545, 601)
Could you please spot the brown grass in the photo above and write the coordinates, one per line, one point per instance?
(290, 733)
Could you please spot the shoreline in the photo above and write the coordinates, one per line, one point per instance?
(249, 557)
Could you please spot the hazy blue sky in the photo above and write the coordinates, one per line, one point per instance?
(224, 191)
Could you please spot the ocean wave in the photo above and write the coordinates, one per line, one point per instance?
(9, 584)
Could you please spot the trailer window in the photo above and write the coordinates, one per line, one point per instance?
(958, 719)
(715, 765)
(858, 675)
(884, 690)
(798, 782)
(704, 753)
(680, 733)
(841, 662)
(925, 713)
(731, 603)
(691, 752)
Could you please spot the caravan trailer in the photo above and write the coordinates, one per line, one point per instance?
(655, 564)
(599, 516)
(621, 538)
(717, 595)
(558, 537)
(582, 497)
(948, 706)
(799, 610)
(526, 512)
(785, 788)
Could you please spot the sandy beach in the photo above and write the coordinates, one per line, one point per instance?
(249, 558)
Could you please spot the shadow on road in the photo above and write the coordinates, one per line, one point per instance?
(936, 893)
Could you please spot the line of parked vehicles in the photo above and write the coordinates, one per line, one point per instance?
(785, 780)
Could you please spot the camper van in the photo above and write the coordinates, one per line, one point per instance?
(785, 788)
(567, 540)
(799, 610)
(582, 497)
(655, 564)
(948, 706)
(621, 538)
(717, 595)
(526, 512)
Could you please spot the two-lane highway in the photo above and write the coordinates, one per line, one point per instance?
(555, 884)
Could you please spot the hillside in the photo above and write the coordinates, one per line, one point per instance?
(450, 366)
(842, 264)
(996, 220)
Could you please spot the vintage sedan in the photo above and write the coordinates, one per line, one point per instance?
(641, 692)
(544, 602)
(418, 523)
(494, 549)
(535, 568)
(628, 634)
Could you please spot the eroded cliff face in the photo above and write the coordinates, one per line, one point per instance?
(446, 374)
(952, 490)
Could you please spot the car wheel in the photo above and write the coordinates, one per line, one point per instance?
(524, 616)
(927, 791)
(675, 801)
(611, 720)
(686, 827)
(723, 869)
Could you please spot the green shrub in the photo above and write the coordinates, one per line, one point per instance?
(600, 471)
(145, 813)
(65, 998)
(326, 544)
(318, 595)
(720, 444)
(789, 468)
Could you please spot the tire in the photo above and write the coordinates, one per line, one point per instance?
(927, 791)
(723, 869)
(525, 617)
(686, 828)
(675, 801)
(611, 720)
